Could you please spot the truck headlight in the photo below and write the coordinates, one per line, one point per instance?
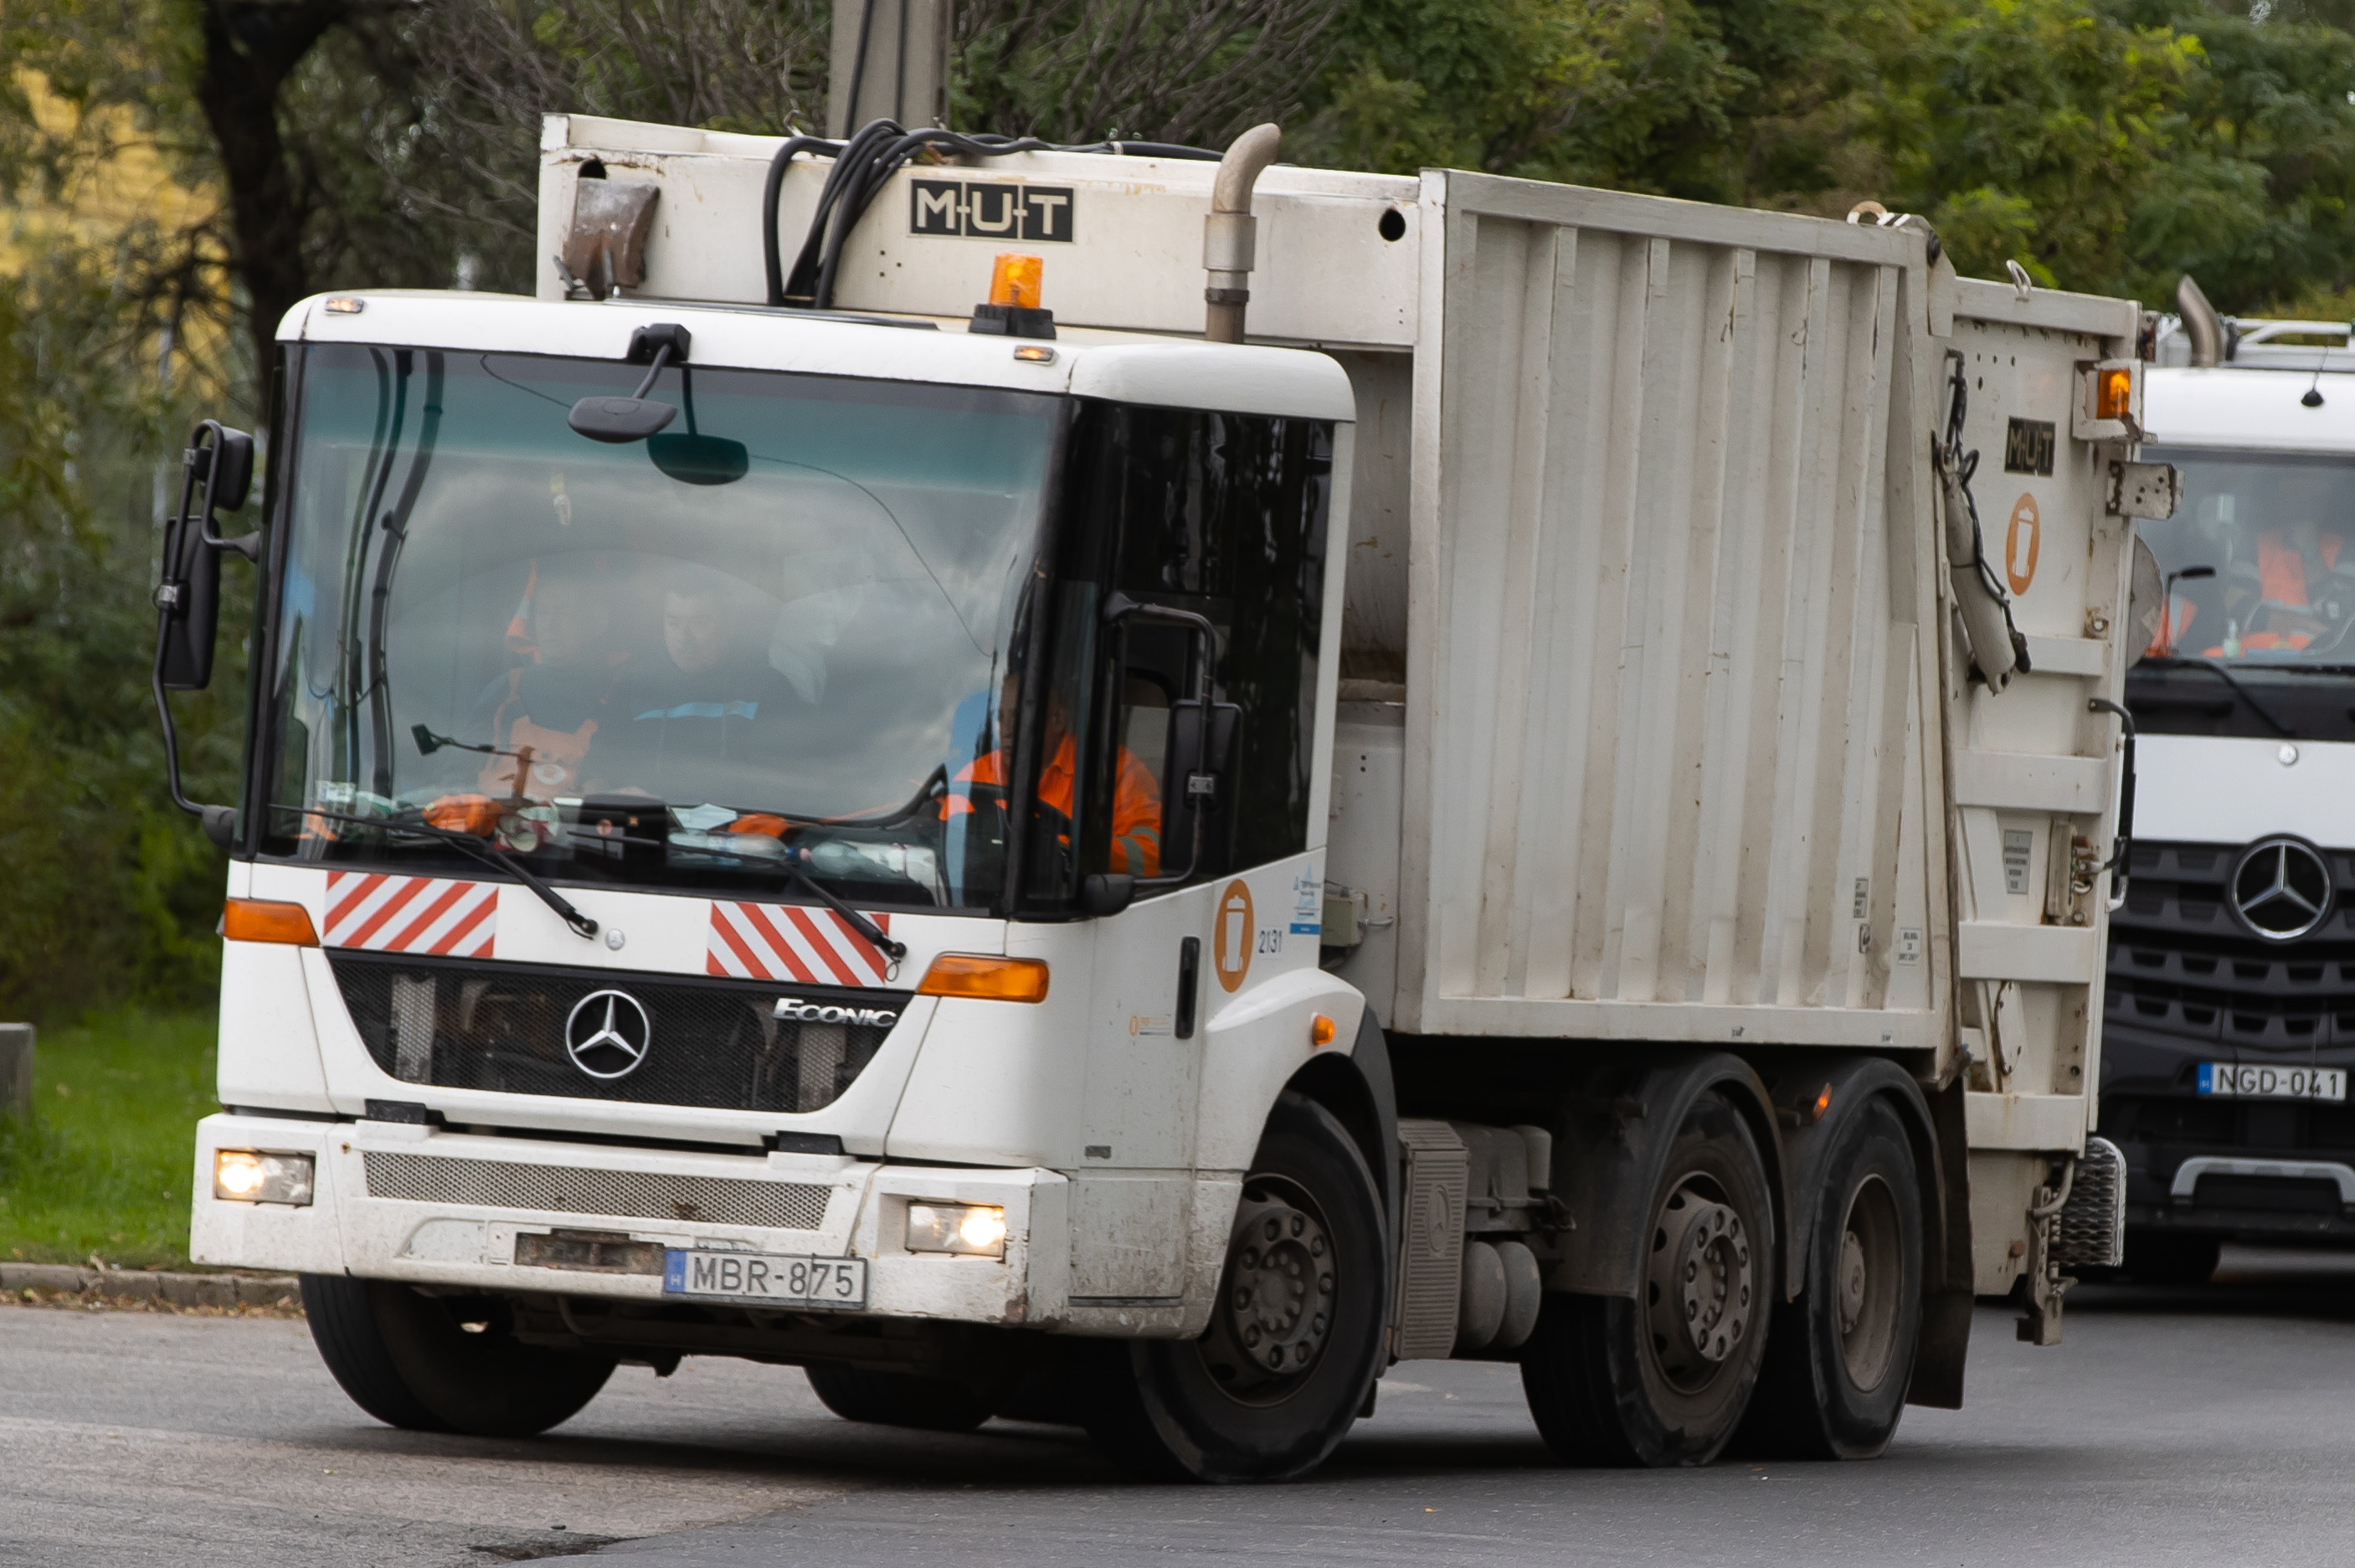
(253, 1176)
(969, 1230)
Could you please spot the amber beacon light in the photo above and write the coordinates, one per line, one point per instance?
(2114, 393)
(264, 920)
(1013, 309)
(989, 979)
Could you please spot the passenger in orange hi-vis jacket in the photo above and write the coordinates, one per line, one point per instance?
(1137, 795)
(544, 715)
(2296, 593)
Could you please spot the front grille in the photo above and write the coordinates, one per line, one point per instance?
(712, 1043)
(2182, 964)
(570, 1189)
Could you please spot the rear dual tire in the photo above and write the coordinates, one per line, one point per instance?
(440, 1363)
(1665, 1378)
(1840, 1358)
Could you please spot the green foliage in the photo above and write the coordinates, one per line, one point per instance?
(2029, 130)
(104, 1165)
(111, 893)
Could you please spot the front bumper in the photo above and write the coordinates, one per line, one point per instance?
(434, 1207)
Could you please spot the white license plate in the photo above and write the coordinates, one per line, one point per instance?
(2226, 1082)
(765, 1278)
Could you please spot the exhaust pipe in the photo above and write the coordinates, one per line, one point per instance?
(1230, 233)
(2200, 321)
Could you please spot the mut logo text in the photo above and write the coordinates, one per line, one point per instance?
(990, 210)
(793, 1009)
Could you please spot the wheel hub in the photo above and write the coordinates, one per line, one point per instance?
(1275, 1310)
(1701, 1288)
(1852, 1282)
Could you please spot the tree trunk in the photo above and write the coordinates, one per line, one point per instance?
(251, 48)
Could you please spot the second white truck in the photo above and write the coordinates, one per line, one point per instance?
(1106, 788)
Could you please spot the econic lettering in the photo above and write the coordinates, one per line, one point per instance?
(990, 210)
(793, 1009)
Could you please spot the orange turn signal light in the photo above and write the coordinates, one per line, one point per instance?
(2113, 393)
(1013, 279)
(262, 920)
(1321, 1030)
(1823, 1103)
(990, 979)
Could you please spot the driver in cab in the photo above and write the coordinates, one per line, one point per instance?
(1136, 796)
(711, 700)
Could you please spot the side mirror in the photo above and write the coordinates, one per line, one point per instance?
(217, 475)
(1107, 892)
(189, 600)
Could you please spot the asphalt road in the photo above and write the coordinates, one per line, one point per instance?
(2211, 1426)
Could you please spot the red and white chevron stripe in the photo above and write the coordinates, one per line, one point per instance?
(412, 915)
(791, 942)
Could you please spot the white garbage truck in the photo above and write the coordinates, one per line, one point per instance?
(1119, 786)
(2228, 1022)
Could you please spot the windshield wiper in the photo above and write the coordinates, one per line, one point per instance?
(2178, 661)
(489, 854)
(877, 937)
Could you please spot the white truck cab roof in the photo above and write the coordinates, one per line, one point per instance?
(2249, 408)
(1131, 367)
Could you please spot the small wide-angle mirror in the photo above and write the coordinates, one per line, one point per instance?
(2147, 607)
(620, 420)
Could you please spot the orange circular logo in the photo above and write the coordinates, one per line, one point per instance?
(2019, 544)
(1231, 935)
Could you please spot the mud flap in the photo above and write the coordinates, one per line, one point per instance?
(1946, 1277)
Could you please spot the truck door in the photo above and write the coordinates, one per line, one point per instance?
(1213, 525)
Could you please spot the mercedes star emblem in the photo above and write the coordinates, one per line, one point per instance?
(607, 1034)
(2281, 889)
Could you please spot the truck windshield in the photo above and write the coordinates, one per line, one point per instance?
(2278, 534)
(2260, 564)
(778, 630)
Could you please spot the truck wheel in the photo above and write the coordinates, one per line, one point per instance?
(1664, 1379)
(900, 1399)
(2170, 1257)
(1838, 1359)
(1295, 1337)
(443, 1363)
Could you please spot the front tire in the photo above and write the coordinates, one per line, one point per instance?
(433, 1364)
(1295, 1339)
(1664, 1379)
(1839, 1359)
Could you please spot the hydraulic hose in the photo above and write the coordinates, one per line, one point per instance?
(862, 165)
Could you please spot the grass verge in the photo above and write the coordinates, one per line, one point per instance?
(102, 1168)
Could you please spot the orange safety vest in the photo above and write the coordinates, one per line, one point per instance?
(1135, 805)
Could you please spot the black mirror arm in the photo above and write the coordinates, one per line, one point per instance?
(219, 821)
(2123, 846)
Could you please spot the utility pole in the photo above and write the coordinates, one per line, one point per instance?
(891, 62)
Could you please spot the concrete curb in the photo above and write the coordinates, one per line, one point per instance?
(138, 1284)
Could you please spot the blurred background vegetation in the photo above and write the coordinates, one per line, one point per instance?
(176, 173)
